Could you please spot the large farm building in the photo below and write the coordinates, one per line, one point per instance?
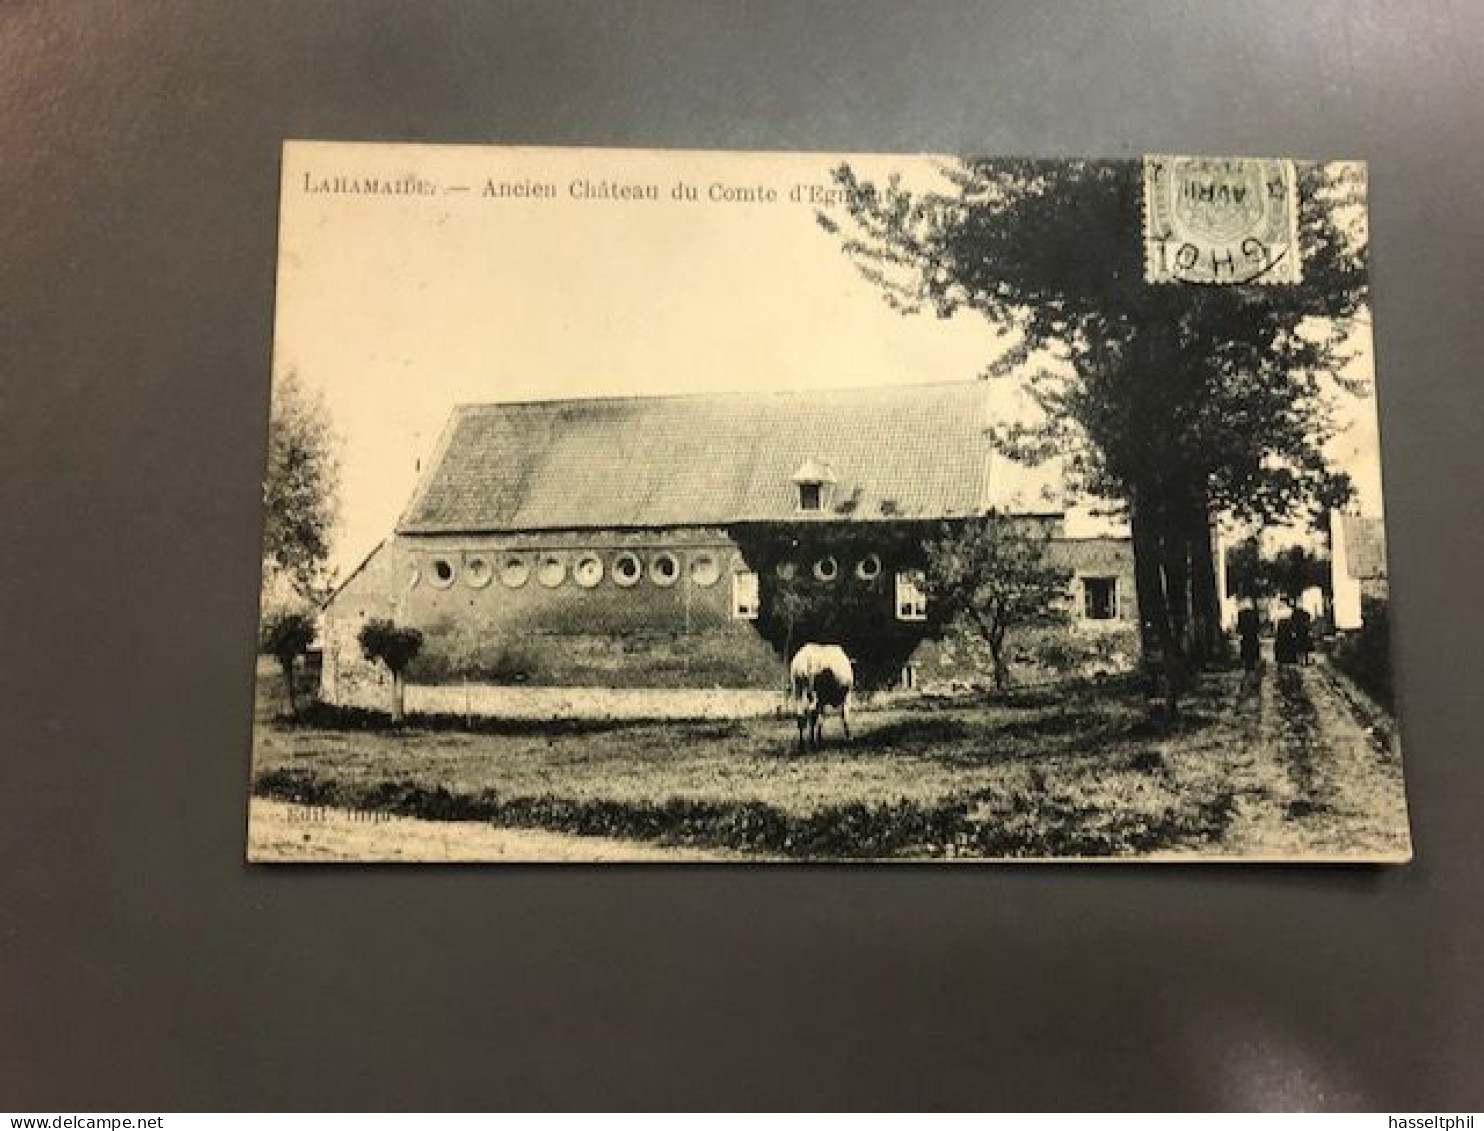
(675, 541)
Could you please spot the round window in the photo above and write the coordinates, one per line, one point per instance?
(705, 569)
(826, 569)
(868, 568)
(478, 573)
(443, 573)
(515, 570)
(552, 571)
(626, 569)
(786, 570)
(664, 568)
(588, 571)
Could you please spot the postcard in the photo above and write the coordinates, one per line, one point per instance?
(628, 505)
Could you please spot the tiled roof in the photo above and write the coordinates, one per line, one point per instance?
(1365, 547)
(916, 451)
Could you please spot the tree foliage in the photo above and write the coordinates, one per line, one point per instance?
(1287, 573)
(1178, 400)
(1246, 575)
(1221, 386)
(1297, 570)
(300, 489)
(388, 643)
(995, 576)
(287, 637)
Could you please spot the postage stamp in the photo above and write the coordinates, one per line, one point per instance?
(1220, 220)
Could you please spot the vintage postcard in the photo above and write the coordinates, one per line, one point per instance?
(701, 506)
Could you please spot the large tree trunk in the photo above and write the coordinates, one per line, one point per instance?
(1001, 668)
(399, 698)
(1161, 556)
(1148, 583)
(788, 659)
(288, 682)
(1176, 565)
(1205, 597)
(1164, 655)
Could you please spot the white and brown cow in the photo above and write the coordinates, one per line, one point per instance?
(822, 680)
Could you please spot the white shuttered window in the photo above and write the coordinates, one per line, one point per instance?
(911, 597)
(745, 597)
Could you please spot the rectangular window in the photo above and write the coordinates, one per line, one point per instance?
(1100, 598)
(911, 599)
(745, 601)
(811, 496)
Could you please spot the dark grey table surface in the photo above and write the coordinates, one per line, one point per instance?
(144, 966)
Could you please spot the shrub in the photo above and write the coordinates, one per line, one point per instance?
(396, 648)
(286, 637)
(1087, 654)
(1365, 654)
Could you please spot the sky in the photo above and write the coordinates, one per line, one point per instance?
(398, 306)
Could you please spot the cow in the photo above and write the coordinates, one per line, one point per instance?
(822, 679)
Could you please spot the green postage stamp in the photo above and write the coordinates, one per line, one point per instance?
(1220, 220)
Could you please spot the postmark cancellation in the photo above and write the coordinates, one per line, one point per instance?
(1220, 221)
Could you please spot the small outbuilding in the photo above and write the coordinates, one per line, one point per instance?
(1357, 565)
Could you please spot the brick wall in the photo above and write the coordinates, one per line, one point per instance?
(494, 621)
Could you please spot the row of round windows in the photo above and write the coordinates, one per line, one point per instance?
(627, 569)
(587, 569)
(828, 568)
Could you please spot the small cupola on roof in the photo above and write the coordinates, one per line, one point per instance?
(814, 480)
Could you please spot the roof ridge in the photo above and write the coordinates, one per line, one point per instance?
(964, 384)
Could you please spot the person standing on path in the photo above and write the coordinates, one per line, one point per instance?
(1248, 626)
(1303, 635)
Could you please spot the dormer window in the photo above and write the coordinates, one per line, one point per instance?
(813, 482)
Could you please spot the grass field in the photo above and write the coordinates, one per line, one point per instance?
(1080, 770)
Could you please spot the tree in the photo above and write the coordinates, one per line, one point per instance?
(994, 574)
(790, 605)
(383, 641)
(1296, 570)
(1247, 576)
(1181, 401)
(300, 489)
(287, 636)
(1287, 573)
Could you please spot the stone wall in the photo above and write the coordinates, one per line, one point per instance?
(554, 610)
(541, 703)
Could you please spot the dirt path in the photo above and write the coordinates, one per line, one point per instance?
(1312, 779)
(280, 832)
